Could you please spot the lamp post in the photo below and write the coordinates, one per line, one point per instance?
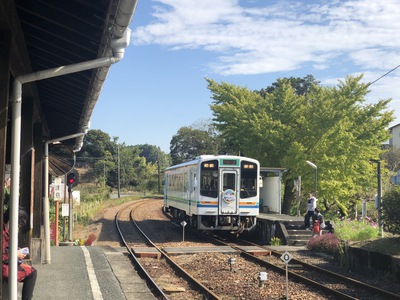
(314, 166)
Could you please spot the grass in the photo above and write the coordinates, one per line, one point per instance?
(365, 233)
(87, 211)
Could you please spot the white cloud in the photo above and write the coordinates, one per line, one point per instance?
(341, 37)
(279, 37)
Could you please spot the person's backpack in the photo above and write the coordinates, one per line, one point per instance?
(316, 228)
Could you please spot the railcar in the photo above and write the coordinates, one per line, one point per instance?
(214, 192)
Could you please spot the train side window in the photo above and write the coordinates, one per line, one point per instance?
(194, 182)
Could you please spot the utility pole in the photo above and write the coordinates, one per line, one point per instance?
(158, 169)
(119, 175)
(379, 200)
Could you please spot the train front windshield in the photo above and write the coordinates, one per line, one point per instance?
(209, 179)
(248, 179)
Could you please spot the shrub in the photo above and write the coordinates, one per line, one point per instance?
(327, 243)
(80, 242)
(275, 241)
(391, 211)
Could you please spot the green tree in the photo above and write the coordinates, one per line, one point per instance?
(96, 156)
(391, 211)
(208, 125)
(132, 167)
(301, 86)
(141, 166)
(157, 162)
(188, 143)
(97, 144)
(283, 128)
(154, 154)
(150, 152)
(392, 158)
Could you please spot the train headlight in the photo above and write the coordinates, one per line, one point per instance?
(248, 166)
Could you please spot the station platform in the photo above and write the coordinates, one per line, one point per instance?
(89, 273)
(280, 217)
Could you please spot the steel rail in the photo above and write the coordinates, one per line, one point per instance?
(359, 284)
(353, 281)
(153, 285)
(345, 279)
(208, 294)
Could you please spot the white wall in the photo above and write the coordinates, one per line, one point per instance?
(395, 140)
(271, 194)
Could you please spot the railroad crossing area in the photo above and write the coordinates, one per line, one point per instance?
(171, 251)
(99, 273)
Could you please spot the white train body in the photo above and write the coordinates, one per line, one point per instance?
(214, 192)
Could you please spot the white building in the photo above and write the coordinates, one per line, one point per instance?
(395, 139)
(395, 142)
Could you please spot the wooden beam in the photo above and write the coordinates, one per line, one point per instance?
(20, 63)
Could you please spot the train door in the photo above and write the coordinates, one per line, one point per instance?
(192, 190)
(166, 183)
(228, 198)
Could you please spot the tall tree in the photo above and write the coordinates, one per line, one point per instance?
(97, 144)
(97, 154)
(392, 158)
(150, 152)
(157, 162)
(283, 128)
(154, 154)
(301, 86)
(188, 143)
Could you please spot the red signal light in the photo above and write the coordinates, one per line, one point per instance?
(71, 179)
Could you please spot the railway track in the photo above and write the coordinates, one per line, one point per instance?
(126, 235)
(150, 268)
(208, 275)
(330, 283)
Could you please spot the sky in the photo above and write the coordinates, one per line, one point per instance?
(160, 85)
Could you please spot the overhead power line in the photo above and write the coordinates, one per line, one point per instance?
(384, 75)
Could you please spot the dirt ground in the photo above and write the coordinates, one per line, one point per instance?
(102, 225)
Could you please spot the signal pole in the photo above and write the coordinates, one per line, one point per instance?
(71, 213)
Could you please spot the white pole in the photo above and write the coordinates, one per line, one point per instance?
(14, 189)
(287, 282)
